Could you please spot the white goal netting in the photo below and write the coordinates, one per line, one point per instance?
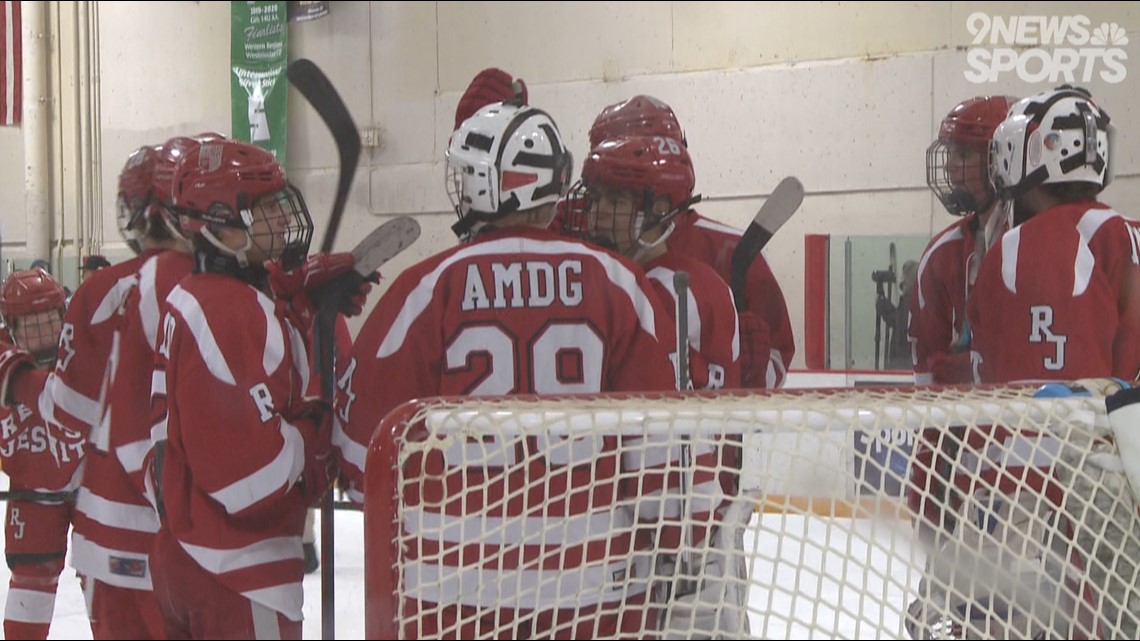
(848, 513)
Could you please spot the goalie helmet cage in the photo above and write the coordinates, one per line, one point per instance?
(1028, 526)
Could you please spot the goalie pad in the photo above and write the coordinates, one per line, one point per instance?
(718, 607)
(1030, 566)
(1000, 575)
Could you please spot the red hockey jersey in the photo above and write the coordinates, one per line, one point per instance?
(713, 243)
(243, 460)
(517, 311)
(1056, 298)
(37, 455)
(938, 331)
(114, 522)
(714, 335)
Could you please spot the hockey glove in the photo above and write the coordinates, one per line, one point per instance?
(308, 415)
(12, 361)
(487, 87)
(316, 271)
(951, 368)
(347, 292)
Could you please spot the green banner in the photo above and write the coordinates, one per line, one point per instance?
(259, 54)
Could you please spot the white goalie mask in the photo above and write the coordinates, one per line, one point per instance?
(1056, 136)
(504, 159)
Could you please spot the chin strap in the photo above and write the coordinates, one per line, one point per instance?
(666, 223)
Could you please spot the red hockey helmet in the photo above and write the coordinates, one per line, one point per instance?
(136, 189)
(170, 153)
(637, 116)
(957, 162)
(32, 304)
(225, 183)
(648, 168)
(643, 163)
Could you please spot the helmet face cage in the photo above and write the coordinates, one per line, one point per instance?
(32, 304)
(128, 215)
(280, 227)
(136, 181)
(957, 162)
(634, 185)
(618, 217)
(573, 215)
(38, 333)
(959, 176)
(1058, 136)
(505, 159)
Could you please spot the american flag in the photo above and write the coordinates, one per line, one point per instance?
(10, 63)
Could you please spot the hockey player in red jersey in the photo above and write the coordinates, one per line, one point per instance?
(517, 310)
(957, 171)
(114, 522)
(1056, 297)
(632, 188)
(239, 451)
(1061, 310)
(41, 460)
(69, 395)
(767, 342)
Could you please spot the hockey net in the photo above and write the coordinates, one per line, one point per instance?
(769, 515)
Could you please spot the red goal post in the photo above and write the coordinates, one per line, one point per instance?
(1026, 529)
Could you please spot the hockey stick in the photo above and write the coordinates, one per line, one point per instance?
(775, 211)
(384, 243)
(36, 495)
(681, 288)
(315, 86)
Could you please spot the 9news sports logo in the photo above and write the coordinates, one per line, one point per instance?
(1044, 49)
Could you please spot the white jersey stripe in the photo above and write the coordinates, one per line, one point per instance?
(148, 309)
(1010, 242)
(576, 529)
(212, 356)
(777, 371)
(1085, 262)
(581, 587)
(274, 352)
(702, 498)
(265, 624)
(58, 395)
(222, 560)
(285, 598)
(29, 606)
(113, 299)
(132, 455)
(94, 561)
(124, 516)
(354, 453)
(279, 473)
